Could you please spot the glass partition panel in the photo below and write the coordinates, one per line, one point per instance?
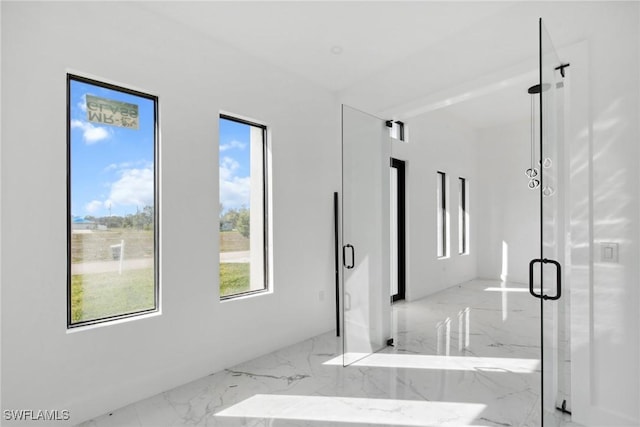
(366, 155)
(552, 227)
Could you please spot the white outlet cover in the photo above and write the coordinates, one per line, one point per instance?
(609, 252)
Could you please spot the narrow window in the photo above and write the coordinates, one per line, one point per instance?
(112, 229)
(442, 226)
(243, 211)
(396, 129)
(401, 133)
(463, 232)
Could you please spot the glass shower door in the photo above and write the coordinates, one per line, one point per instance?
(366, 153)
(552, 227)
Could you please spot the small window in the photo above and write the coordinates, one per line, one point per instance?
(442, 215)
(396, 129)
(112, 229)
(463, 217)
(243, 207)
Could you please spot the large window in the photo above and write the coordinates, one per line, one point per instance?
(112, 228)
(441, 215)
(243, 219)
(463, 217)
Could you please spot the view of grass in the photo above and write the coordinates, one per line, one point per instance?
(99, 295)
(95, 245)
(233, 241)
(95, 296)
(234, 278)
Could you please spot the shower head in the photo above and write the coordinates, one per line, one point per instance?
(536, 88)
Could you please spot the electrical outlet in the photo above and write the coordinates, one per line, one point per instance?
(609, 252)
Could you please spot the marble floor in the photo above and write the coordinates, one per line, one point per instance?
(466, 356)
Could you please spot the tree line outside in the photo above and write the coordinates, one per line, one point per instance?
(235, 219)
(141, 220)
(231, 219)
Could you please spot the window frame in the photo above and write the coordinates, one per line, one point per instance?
(463, 236)
(400, 167)
(441, 206)
(400, 132)
(156, 201)
(265, 207)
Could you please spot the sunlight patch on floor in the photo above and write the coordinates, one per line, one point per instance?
(452, 363)
(356, 410)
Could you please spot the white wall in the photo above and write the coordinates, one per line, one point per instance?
(437, 141)
(92, 371)
(508, 213)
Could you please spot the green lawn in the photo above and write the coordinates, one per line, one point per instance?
(94, 296)
(234, 278)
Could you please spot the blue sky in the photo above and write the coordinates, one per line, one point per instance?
(111, 167)
(234, 164)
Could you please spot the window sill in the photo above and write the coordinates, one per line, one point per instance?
(245, 296)
(102, 324)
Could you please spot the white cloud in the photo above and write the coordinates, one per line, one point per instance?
(228, 166)
(93, 206)
(235, 191)
(122, 166)
(233, 144)
(134, 188)
(90, 133)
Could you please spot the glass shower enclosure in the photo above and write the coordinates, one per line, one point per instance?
(366, 153)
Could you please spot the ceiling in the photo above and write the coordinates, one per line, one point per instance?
(398, 59)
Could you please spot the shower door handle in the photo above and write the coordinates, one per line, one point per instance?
(344, 256)
(558, 279)
(531, 265)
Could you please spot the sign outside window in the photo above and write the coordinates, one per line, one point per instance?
(110, 112)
